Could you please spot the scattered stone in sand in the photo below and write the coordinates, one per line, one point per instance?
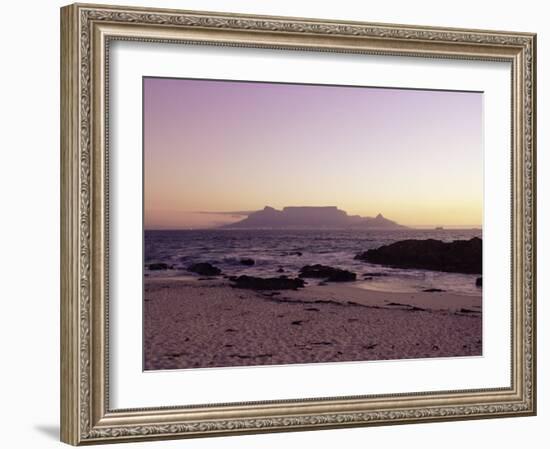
(322, 284)
(227, 346)
(297, 322)
(257, 283)
(352, 320)
(479, 282)
(368, 278)
(458, 256)
(433, 290)
(321, 343)
(271, 294)
(174, 355)
(248, 262)
(371, 346)
(463, 310)
(240, 356)
(329, 274)
(204, 269)
(312, 309)
(230, 330)
(435, 348)
(158, 266)
(406, 306)
(281, 270)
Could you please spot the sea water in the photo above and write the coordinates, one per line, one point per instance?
(284, 252)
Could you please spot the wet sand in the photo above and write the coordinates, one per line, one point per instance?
(191, 323)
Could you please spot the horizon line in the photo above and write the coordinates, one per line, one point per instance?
(223, 228)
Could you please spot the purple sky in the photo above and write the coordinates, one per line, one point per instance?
(213, 146)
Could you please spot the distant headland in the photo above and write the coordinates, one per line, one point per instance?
(311, 217)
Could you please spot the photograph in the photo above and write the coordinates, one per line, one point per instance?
(287, 220)
(289, 223)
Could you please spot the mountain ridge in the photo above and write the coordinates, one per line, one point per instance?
(311, 217)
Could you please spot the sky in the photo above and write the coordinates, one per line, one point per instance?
(214, 150)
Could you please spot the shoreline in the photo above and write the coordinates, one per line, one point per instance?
(192, 323)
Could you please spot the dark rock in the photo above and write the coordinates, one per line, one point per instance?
(329, 274)
(256, 283)
(247, 262)
(459, 256)
(158, 266)
(479, 282)
(204, 269)
(292, 253)
(342, 276)
(433, 290)
(281, 270)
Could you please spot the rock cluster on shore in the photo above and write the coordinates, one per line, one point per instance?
(459, 256)
(275, 283)
(204, 269)
(158, 266)
(329, 274)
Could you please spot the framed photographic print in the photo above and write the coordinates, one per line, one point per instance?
(279, 224)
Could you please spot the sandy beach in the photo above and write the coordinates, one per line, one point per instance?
(192, 323)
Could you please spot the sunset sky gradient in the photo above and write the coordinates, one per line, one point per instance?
(415, 156)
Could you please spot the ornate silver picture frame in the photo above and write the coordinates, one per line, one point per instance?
(87, 32)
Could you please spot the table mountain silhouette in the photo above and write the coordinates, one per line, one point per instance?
(311, 217)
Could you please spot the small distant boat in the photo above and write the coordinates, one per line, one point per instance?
(439, 228)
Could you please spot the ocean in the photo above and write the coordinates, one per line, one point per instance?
(290, 250)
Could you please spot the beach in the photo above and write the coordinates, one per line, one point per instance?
(201, 323)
